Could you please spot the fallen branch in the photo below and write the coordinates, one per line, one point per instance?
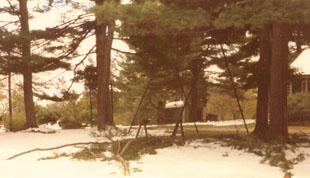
(117, 156)
(52, 148)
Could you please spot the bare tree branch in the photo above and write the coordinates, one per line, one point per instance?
(53, 148)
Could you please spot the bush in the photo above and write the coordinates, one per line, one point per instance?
(298, 104)
(44, 115)
(18, 121)
(69, 124)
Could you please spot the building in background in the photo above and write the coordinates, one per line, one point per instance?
(300, 82)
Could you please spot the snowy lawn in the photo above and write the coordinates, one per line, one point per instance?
(202, 157)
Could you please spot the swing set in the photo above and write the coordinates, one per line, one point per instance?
(179, 119)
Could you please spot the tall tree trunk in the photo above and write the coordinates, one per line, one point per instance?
(278, 87)
(106, 74)
(261, 127)
(27, 74)
(104, 38)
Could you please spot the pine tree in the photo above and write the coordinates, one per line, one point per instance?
(104, 38)
(17, 56)
(27, 72)
(281, 14)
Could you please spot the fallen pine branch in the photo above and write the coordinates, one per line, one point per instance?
(117, 156)
(52, 148)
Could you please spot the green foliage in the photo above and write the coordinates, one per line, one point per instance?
(136, 149)
(88, 76)
(73, 111)
(274, 153)
(260, 12)
(69, 124)
(45, 115)
(225, 105)
(18, 121)
(19, 117)
(151, 17)
(298, 104)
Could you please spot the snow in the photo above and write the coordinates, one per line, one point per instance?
(205, 160)
(195, 158)
(175, 104)
(237, 122)
(302, 62)
(230, 122)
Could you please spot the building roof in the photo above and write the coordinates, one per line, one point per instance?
(302, 62)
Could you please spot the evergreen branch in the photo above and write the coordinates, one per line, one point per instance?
(72, 21)
(8, 23)
(78, 64)
(72, 50)
(49, 80)
(123, 52)
(45, 96)
(14, 12)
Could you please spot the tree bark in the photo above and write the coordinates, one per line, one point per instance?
(261, 127)
(104, 39)
(27, 73)
(278, 87)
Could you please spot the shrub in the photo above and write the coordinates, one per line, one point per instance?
(69, 124)
(18, 121)
(298, 104)
(44, 115)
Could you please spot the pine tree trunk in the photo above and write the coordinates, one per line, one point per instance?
(106, 74)
(27, 74)
(104, 39)
(100, 37)
(278, 87)
(261, 127)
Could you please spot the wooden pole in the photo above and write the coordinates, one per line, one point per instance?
(180, 118)
(91, 108)
(112, 101)
(10, 101)
(234, 88)
(196, 127)
(140, 104)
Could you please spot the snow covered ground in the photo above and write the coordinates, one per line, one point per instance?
(199, 159)
(237, 122)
